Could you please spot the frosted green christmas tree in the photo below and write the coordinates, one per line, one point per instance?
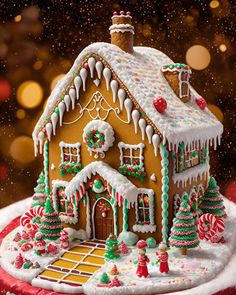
(183, 233)
(39, 197)
(212, 201)
(50, 226)
(112, 248)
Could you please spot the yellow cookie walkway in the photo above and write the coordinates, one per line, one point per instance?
(76, 265)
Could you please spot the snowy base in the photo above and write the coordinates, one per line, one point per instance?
(186, 272)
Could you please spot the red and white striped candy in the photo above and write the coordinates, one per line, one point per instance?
(220, 224)
(207, 226)
(26, 218)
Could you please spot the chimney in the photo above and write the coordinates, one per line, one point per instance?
(122, 31)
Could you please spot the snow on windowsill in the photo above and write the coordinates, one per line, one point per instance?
(191, 174)
(144, 228)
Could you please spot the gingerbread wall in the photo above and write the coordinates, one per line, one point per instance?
(72, 133)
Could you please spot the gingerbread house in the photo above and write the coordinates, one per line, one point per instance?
(123, 135)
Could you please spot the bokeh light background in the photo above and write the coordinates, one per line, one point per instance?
(39, 41)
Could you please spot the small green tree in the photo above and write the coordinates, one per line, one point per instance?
(50, 226)
(212, 201)
(112, 248)
(39, 196)
(104, 278)
(183, 233)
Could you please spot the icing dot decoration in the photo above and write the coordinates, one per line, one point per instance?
(160, 104)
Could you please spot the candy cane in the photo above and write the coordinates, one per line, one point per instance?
(207, 226)
(220, 225)
(27, 217)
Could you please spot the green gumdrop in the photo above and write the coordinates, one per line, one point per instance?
(165, 188)
(56, 110)
(165, 154)
(165, 206)
(165, 214)
(166, 221)
(151, 242)
(166, 179)
(165, 197)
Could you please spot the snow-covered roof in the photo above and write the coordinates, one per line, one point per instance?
(141, 74)
(117, 181)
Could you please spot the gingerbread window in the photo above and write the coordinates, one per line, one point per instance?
(183, 83)
(145, 211)
(188, 158)
(64, 206)
(132, 160)
(70, 158)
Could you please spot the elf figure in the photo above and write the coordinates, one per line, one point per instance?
(39, 244)
(162, 257)
(142, 270)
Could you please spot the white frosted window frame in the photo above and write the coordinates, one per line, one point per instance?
(70, 146)
(145, 227)
(56, 184)
(131, 147)
(184, 82)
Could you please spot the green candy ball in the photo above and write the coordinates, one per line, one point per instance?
(151, 242)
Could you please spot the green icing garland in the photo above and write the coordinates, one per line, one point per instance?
(46, 168)
(165, 189)
(125, 215)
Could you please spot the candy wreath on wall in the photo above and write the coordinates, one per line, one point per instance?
(99, 137)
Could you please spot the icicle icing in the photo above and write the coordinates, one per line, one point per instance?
(121, 96)
(128, 107)
(54, 119)
(142, 125)
(67, 102)
(135, 116)
(49, 130)
(155, 142)
(114, 88)
(149, 132)
(83, 75)
(107, 76)
(77, 83)
(91, 64)
(61, 107)
(99, 67)
(72, 97)
(41, 136)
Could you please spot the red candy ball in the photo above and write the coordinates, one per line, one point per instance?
(122, 12)
(86, 66)
(201, 103)
(128, 13)
(160, 104)
(115, 13)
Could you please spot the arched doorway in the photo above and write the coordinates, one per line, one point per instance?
(103, 223)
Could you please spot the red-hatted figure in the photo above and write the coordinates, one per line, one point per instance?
(162, 257)
(142, 270)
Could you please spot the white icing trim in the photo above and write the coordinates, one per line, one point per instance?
(120, 183)
(121, 28)
(121, 15)
(76, 145)
(146, 228)
(64, 218)
(107, 130)
(191, 174)
(131, 147)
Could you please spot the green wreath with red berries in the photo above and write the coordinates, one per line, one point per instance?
(95, 139)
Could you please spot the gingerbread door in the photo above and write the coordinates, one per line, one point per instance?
(103, 219)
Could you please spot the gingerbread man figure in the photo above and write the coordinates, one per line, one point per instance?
(162, 257)
(142, 270)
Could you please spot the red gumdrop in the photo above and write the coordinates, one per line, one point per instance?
(160, 104)
(115, 13)
(122, 12)
(128, 13)
(201, 103)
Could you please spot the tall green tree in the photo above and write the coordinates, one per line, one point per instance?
(50, 226)
(183, 233)
(212, 201)
(39, 196)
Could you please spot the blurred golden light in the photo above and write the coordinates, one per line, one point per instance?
(38, 65)
(198, 57)
(20, 114)
(55, 80)
(17, 18)
(214, 4)
(30, 94)
(222, 47)
(45, 103)
(22, 149)
(216, 111)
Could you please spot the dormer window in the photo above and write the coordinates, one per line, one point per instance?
(178, 76)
